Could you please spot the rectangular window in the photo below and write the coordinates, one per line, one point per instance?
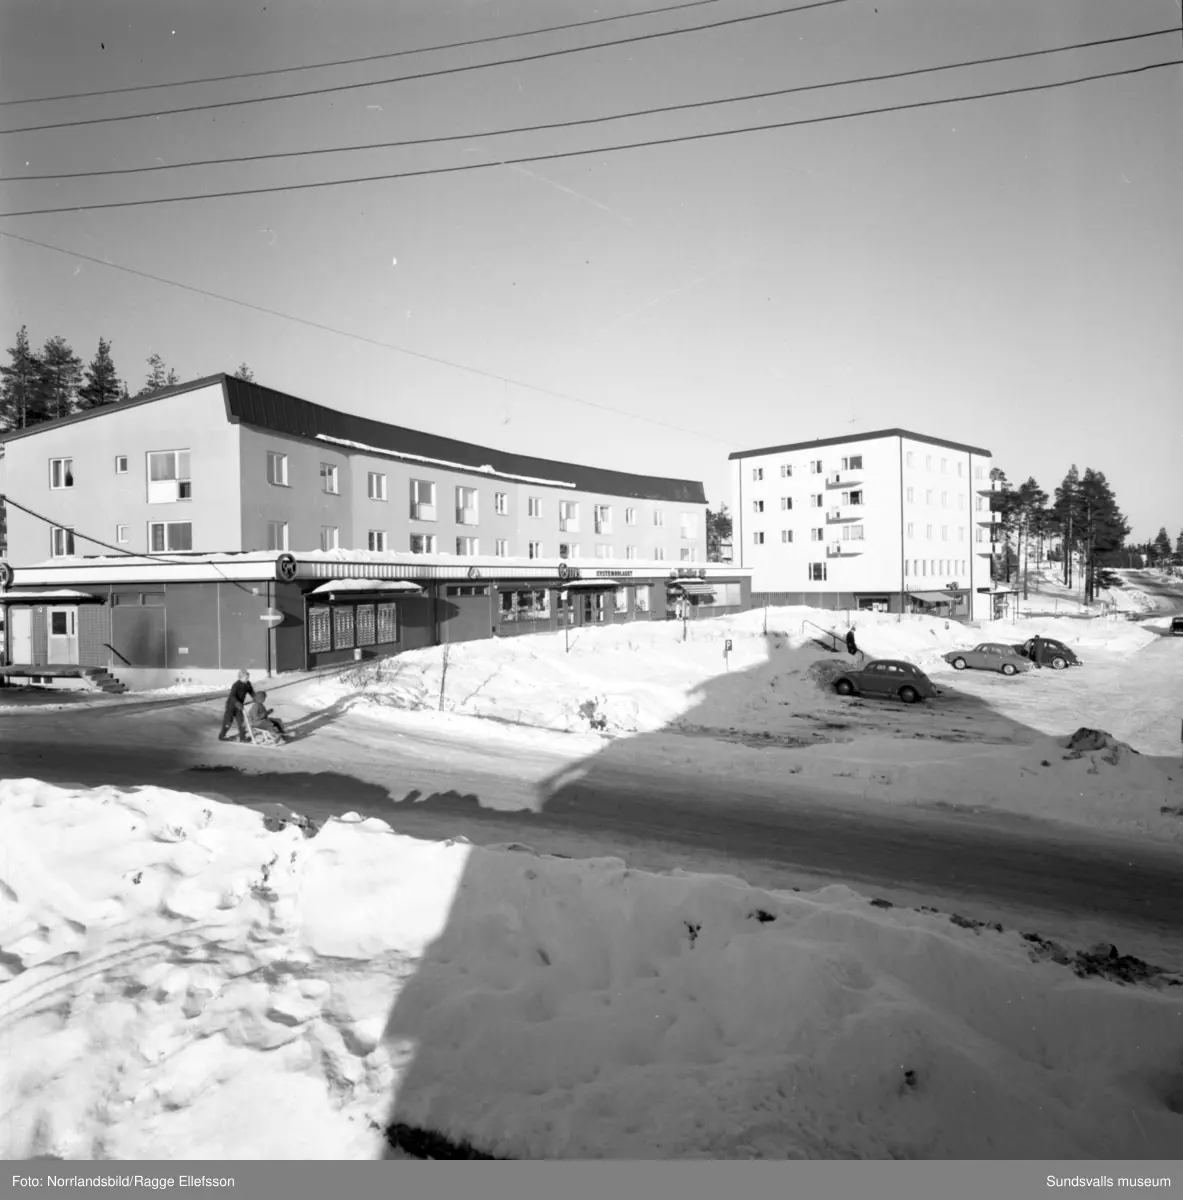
(320, 629)
(630, 516)
(817, 572)
(564, 549)
(758, 539)
(852, 533)
(534, 550)
(329, 480)
(928, 532)
(944, 533)
(501, 548)
(422, 500)
(757, 506)
(602, 515)
(817, 535)
(620, 600)
(61, 473)
(524, 606)
(387, 623)
(61, 542)
(659, 553)
(786, 535)
(641, 600)
(121, 464)
(277, 535)
(690, 526)
(815, 466)
(816, 500)
(122, 536)
(905, 566)
(928, 462)
(911, 529)
(944, 499)
(854, 463)
(164, 536)
(534, 506)
(367, 632)
(786, 470)
(757, 473)
(343, 627)
(960, 469)
(277, 468)
(944, 466)
(603, 550)
(686, 554)
(467, 512)
(501, 503)
(168, 476)
(910, 493)
(977, 472)
(466, 547)
(328, 537)
(928, 498)
(911, 458)
(568, 516)
(423, 543)
(376, 485)
(376, 540)
(630, 552)
(658, 517)
(786, 503)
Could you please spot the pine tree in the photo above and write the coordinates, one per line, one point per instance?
(244, 372)
(22, 398)
(102, 385)
(718, 532)
(172, 378)
(1161, 548)
(1030, 506)
(1005, 502)
(1065, 514)
(1103, 530)
(61, 375)
(157, 375)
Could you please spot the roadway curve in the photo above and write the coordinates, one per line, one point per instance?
(1168, 595)
(1058, 880)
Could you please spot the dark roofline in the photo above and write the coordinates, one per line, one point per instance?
(259, 407)
(862, 437)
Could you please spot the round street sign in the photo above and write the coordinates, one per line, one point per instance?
(5, 575)
(474, 573)
(285, 566)
(564, 570)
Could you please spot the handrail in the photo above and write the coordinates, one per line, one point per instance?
(108, 646)
(828, 632)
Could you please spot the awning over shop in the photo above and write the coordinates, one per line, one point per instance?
(607, 585)
(352, 588)
(932, 597)
(59, 597)
(696, 588)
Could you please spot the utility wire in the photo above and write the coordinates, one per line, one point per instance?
(503, 62)
(349, 62)
(612, 149)
(623, 116)
(172, 562)
(358, 337)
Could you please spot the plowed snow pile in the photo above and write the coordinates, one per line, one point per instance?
(180, 981)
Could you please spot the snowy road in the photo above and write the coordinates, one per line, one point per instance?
(1167, 594)
(660, 812)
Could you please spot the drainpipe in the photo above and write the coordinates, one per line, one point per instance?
(903, 586)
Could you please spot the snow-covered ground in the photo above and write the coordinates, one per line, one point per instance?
(182, 981)
(988, 742)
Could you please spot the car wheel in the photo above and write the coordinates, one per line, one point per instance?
(1009, 668)
(844, 687)
(959, 664)
(1058, 663)
(909, 695)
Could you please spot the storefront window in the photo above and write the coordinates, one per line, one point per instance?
(525, 606)
(366, 633)
(343, 627)
(387, 623)
(620, 600)
(320, 630)
(641, 602)
(566, 610)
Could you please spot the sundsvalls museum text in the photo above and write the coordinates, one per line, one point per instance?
(153, 1182)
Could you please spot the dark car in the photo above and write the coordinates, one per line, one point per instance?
(886, 677)
(1177, 627)
(1053, 654)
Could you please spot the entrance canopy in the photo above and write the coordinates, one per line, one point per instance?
(352, 588)
(932, 597)
(607, 585)
(59, 597)
(697, 588)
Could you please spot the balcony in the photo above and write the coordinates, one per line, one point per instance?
(422, 512)
(852, 512)
(987, 518)
(986, 487)
(843, 479)
(843, 549)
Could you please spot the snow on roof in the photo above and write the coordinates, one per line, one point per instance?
(365, 585)
(439, 462)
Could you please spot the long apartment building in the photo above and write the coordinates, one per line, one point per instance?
(222, 464)
(890, 520)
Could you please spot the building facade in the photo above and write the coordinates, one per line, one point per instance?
(224, 465)
(890, 520)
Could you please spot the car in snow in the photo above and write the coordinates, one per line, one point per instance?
(886, 677)
(1054, 654)
(989, 656)
(1177, 627)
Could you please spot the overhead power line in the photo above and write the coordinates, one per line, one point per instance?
(367, 58)
(358, 337)
(616, 148)
(503, 62)
(571, 124)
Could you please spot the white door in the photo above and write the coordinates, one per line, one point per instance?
(63, 635)
(20, 633)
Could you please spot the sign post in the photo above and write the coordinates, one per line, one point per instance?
(727, 652)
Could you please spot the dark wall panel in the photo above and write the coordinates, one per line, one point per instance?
(191, 625)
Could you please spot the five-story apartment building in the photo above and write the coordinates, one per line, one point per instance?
(891, 520)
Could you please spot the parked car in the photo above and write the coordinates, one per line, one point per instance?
(989, 656)
(1055, 654)
(1177, 627)
(886, 677)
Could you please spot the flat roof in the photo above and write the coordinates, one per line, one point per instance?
(251, 404)
(862, 437)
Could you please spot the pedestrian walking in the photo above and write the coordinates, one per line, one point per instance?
(235, 699)
(851, 646)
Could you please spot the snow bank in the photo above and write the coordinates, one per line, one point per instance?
(184, 979)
